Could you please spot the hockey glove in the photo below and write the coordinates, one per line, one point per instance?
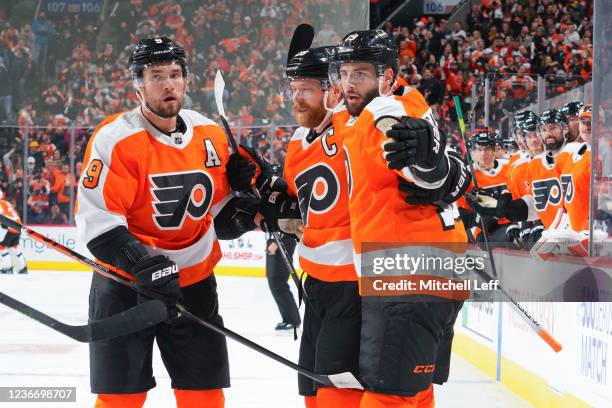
(236, 217)
(513, 233)
(414, 142)
(278, 206)
(455, 186)
(267, 180)
(159, 276)
(240, 172)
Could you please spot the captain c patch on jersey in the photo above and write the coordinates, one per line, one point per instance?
(177, 194)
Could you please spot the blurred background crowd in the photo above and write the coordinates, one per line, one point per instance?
(61, 73)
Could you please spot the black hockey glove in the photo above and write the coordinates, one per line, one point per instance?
(498, 205)
(236, 217)
(278, 206)
(513, 235)
(267, 180)
(470, 218)
(455, 186)
(240, 172)
(159, 276)
(414, 142)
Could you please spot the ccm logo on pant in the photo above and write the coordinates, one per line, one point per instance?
(164, 272)
(424, 369)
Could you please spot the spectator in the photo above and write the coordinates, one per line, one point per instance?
(38, 200)
(5, 92)
(43, 30)
(57, 216)
(37, 155)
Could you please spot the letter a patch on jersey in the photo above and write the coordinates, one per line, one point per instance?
(177, 194)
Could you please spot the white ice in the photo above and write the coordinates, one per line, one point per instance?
(34, 355)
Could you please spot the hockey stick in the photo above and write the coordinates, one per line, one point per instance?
(219, 88)
(138, 318)
(341, 380)
(529, 319)
(301, 40)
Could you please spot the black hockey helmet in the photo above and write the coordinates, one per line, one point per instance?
(571, 109)
(484, 138)
(528, 121)
(552, 116)
(310, 63)
(509, 143)
(373, 46)
(156, 50)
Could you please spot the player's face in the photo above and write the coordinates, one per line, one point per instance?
(359, 85)
(585, 130)
(307, 97)
(500, 152)
(533, 142)
(163, 88)
(484, 156)
(574, 131)
(552, 136)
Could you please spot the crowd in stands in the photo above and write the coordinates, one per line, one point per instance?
(511, 41)
(70, 72)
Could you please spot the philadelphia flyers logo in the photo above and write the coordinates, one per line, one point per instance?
(318, 190)
(567, 182)
(177, 195)
(546, 191)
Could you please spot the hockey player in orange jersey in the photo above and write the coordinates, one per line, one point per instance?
(365, 66)
(545, 199)
(574, 168)
(530, 145)
(154, 177)
(571, 111)
(492, 179)
(9, 241)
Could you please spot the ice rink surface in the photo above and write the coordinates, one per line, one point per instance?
(34, 355)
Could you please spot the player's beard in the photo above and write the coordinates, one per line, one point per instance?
(553, 146)
(164, 109)
(308, 116)
(356, 108)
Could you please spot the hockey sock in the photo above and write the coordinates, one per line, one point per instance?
(121, 400)
(423, 399)
(335, 397)
(310, 401)
(199, 398)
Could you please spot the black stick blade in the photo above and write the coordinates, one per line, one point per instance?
(138, 318)
(301, 40)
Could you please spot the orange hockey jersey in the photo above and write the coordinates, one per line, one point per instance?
(316, 174)
(7, 209)
(518, 183)
(165, 190)
(546, 192)
(378, 212)
(574, 168)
